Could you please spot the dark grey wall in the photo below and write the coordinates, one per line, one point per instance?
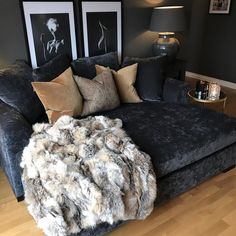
(12, 40)
(195, 34)
(207, 44)
(218, 54)
(137, 39)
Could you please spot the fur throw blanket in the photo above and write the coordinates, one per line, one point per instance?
(79, 173)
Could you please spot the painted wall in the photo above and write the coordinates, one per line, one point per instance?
(207, 44)
(136, 34)
(12, 39)
(218, 54)
(137, 15)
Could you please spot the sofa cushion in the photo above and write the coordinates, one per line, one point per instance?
(99, 94)
(60, 96)
(176, 91)
(150, 76)
(52, 68)
(124, 79)
(175, 135)
(85, 67)
(16, 90)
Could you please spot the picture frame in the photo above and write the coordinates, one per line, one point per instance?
(50, 30)
(219, 6)
(102, 27)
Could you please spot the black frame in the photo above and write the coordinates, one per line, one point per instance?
(81, 23)
(224, 12)
(73, 32)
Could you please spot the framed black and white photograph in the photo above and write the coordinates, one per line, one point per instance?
(102, 27)
(219, 6)
(50, 29)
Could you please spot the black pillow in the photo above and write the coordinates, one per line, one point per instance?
(52, 68)
(150, 76)
(85, 66)
(176, 91)
(16, 90)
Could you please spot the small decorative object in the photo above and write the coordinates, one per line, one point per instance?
(50, 30)
(201, 90)
(205, 91)
(219, 6)
(167, 20)
(101, 27)
(214, 91)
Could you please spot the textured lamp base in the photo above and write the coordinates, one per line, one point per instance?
(166, 45)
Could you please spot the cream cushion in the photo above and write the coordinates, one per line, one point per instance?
(125, 79)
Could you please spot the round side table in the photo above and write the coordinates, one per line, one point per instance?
(222, 99)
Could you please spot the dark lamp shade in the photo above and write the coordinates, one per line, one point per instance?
(168, 19)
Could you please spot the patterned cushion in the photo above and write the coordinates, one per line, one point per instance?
(99, 94)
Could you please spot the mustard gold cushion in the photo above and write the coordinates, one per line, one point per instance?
(60, 96)
(99, 94)
(124, 79)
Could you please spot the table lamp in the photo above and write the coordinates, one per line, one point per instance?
(166, 21)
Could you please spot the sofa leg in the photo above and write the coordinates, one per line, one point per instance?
(228, 169)
(21, 198)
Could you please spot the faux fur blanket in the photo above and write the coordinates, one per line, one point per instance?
(79, 173)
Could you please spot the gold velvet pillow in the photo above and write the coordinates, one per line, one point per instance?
(60, 96)
(99, 94)
(124, 79)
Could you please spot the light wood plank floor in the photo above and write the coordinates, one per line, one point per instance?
(207, 210)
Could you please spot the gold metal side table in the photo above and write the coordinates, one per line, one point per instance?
(204, 102)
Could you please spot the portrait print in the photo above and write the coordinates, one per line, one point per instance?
(103, 38)
(50, 29)
(51, 33)
(102, 27)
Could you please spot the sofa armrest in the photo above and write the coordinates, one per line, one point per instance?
(176, 91)
(15, 132)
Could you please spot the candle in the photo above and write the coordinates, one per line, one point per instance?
(214, 91)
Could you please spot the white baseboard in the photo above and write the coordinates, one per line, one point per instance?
(211, 79)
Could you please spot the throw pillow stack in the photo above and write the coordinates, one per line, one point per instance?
(83, 87)
(74, 95)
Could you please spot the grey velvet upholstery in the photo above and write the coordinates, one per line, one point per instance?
(15, 132)
(85, 66)
(16, 90)
(178, 135)
(189, 176)
(51, 69)
(175, 91)
(150, 76)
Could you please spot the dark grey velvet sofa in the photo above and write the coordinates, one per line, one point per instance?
(187, 144)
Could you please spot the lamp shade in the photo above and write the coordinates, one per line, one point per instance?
(168, 19)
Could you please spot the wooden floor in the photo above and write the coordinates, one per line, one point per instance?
(207, 210)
